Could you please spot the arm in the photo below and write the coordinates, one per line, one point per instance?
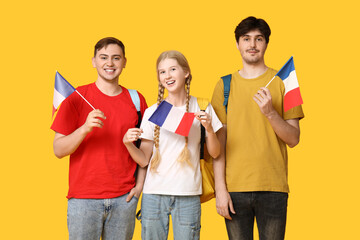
(140, 178)
(212, 142)
(140, 155)
(286, 130)
(223, 199)
(67, 144)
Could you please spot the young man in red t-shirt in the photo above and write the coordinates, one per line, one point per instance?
(103, 192)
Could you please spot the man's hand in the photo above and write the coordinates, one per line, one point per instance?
(135, 191)
(223, 204)
(94, 120)
(264, 100)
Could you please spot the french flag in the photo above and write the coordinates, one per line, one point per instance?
(292, 96)
(172, 119)
(62, 90)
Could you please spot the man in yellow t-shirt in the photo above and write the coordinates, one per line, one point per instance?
(253, 181)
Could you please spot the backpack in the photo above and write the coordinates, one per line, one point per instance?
(136, 100)
(206, 161)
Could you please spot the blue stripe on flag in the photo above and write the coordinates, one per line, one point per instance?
(161, 113)
(63, 86)
(286, 69)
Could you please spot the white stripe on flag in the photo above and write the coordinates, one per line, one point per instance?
(291, 82)
(58, 98)
(173, 119)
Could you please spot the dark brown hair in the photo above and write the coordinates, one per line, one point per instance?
(250, 24)
(106, 41)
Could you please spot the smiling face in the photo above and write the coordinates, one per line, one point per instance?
(252, 47)
(109, 62)
(171, 75)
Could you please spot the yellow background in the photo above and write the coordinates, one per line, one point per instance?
(40, 37)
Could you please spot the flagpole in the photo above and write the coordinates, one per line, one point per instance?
(270, 81)
(84, 99)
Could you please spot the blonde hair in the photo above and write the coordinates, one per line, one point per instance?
(184, 156)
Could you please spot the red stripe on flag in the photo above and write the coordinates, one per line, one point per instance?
(53, 111)
(185, 124)
(292, 99)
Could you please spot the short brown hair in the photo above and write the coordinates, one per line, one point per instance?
(106, 41)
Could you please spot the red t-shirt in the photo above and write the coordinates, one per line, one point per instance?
(101, 167)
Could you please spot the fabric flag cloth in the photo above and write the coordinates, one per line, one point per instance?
(292, 96)
(172, 119)
(62, 90)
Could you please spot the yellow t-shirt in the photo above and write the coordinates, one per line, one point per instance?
(256, 159)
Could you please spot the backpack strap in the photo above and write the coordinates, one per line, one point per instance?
(136, 100)
(226, 80)
(203, 103)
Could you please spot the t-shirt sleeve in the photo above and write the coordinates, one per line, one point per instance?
(295, 112)
(147, 126)
(215, 121)
(218, 100)
(66, 118)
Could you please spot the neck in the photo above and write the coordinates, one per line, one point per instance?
(110, 88)
(253, 70)
(177, 99)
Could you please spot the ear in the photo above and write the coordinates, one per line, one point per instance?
(93, 62)
(187, 75)
(237, 44)
(125, 62)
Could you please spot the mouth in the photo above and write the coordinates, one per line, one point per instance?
(109, 70)
(171, 82)
(252, 51)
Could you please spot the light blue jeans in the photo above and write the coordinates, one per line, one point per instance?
(184, 210)
(90, 219)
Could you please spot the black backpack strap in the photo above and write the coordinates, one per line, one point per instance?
(226, 80)
(136, 100)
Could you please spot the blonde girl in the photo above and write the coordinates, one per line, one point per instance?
(173, 178)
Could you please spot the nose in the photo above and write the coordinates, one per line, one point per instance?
(253, 43)
(167, 75)
(109, 62)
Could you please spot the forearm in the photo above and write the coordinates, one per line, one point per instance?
(137, 154)
(140, 177)
(219, 162)
(288, 131)
(213, 144)
(67, 144)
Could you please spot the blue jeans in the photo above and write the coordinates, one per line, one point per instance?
(269, 209)
(90, 219)
(184, 210)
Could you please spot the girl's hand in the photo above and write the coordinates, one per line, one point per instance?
(205, 120)
(132, 135)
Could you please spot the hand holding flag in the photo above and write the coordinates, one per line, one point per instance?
(287, 74)
(172, 119)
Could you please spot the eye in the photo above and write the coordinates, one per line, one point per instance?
(161, 72)
(173, 69)
(117, 58)
(259, 39)
(103, 58)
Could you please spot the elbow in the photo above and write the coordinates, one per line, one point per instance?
(294, 142)
(143, 164)
(58, 154)
(216, 154)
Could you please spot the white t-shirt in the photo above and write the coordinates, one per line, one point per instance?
(173, 177)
